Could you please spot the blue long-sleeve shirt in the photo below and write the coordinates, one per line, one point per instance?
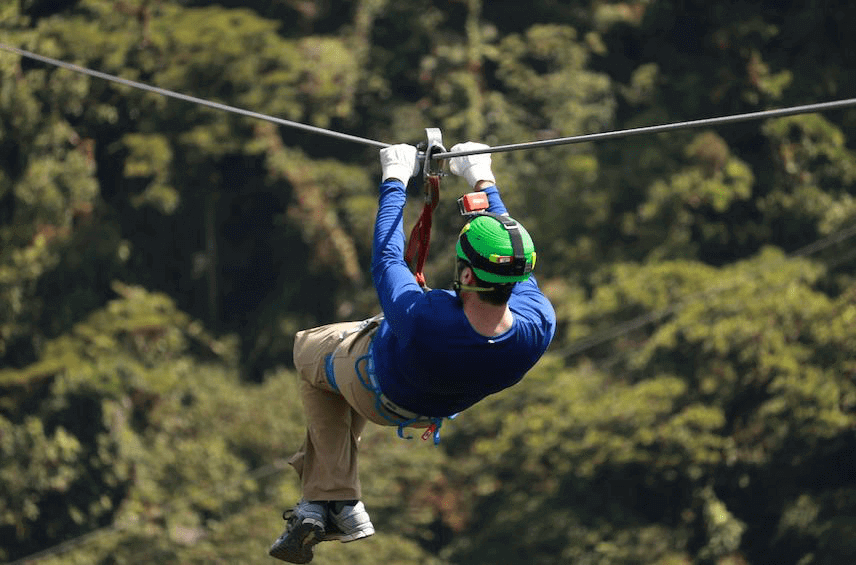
(427, 356)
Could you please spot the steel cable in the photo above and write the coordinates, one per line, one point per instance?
(584, 138)
(706, 122)
(193, 99)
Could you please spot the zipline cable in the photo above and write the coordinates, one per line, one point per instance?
(706, 122)
(585, 138)
(193, 99)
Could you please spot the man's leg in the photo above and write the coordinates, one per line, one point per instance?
(327, 461)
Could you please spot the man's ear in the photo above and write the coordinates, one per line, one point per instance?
(467, 275)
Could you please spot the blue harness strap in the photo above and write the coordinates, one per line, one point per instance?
(328, 370)
(330, 357)
(383, 405)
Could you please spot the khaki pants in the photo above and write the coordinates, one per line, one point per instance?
(327, 461)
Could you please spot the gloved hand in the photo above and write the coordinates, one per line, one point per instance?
(399, 162)
(472, 167)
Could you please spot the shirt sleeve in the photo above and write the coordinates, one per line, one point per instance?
(538, 305)
(397, 289)
(398, 292)
(494, 201)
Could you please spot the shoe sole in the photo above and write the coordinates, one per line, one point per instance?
(357, 536)
(337, 535)
(296, 547)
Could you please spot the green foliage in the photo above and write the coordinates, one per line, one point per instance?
(713, 183)
(47, 183)
(156, 258)
(815, 174)
(34, 463)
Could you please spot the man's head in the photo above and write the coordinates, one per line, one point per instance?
(498, 249)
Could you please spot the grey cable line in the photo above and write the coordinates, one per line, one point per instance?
(193, 99)
(615, 134)
(763, 114)
(628, 326)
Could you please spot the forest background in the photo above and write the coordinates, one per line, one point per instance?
(156, 258)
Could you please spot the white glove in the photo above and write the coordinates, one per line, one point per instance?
(472, 167)
(399, 162)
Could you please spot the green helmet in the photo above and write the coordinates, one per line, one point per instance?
(498, 248)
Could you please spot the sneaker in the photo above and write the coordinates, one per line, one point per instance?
(305, 527)
(351, 524)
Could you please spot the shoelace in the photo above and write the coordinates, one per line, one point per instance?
(290, 518)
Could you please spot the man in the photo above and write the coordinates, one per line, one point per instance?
(429, 356)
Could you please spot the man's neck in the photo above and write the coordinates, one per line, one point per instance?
(486, 319)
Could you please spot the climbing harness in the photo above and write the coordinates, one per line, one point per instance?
(330, 357)
(384, 406)
(389, 410)
(420, 236)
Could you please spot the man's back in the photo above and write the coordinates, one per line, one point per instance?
(434, 363)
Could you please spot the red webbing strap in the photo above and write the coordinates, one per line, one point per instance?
(420, 236)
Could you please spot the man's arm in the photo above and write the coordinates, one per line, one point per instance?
(396, 287)
(476, 170)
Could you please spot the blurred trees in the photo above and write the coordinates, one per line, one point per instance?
(157, 256)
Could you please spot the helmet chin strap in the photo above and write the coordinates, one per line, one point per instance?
(458, 286)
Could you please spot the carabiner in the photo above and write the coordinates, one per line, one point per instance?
(430, 166)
